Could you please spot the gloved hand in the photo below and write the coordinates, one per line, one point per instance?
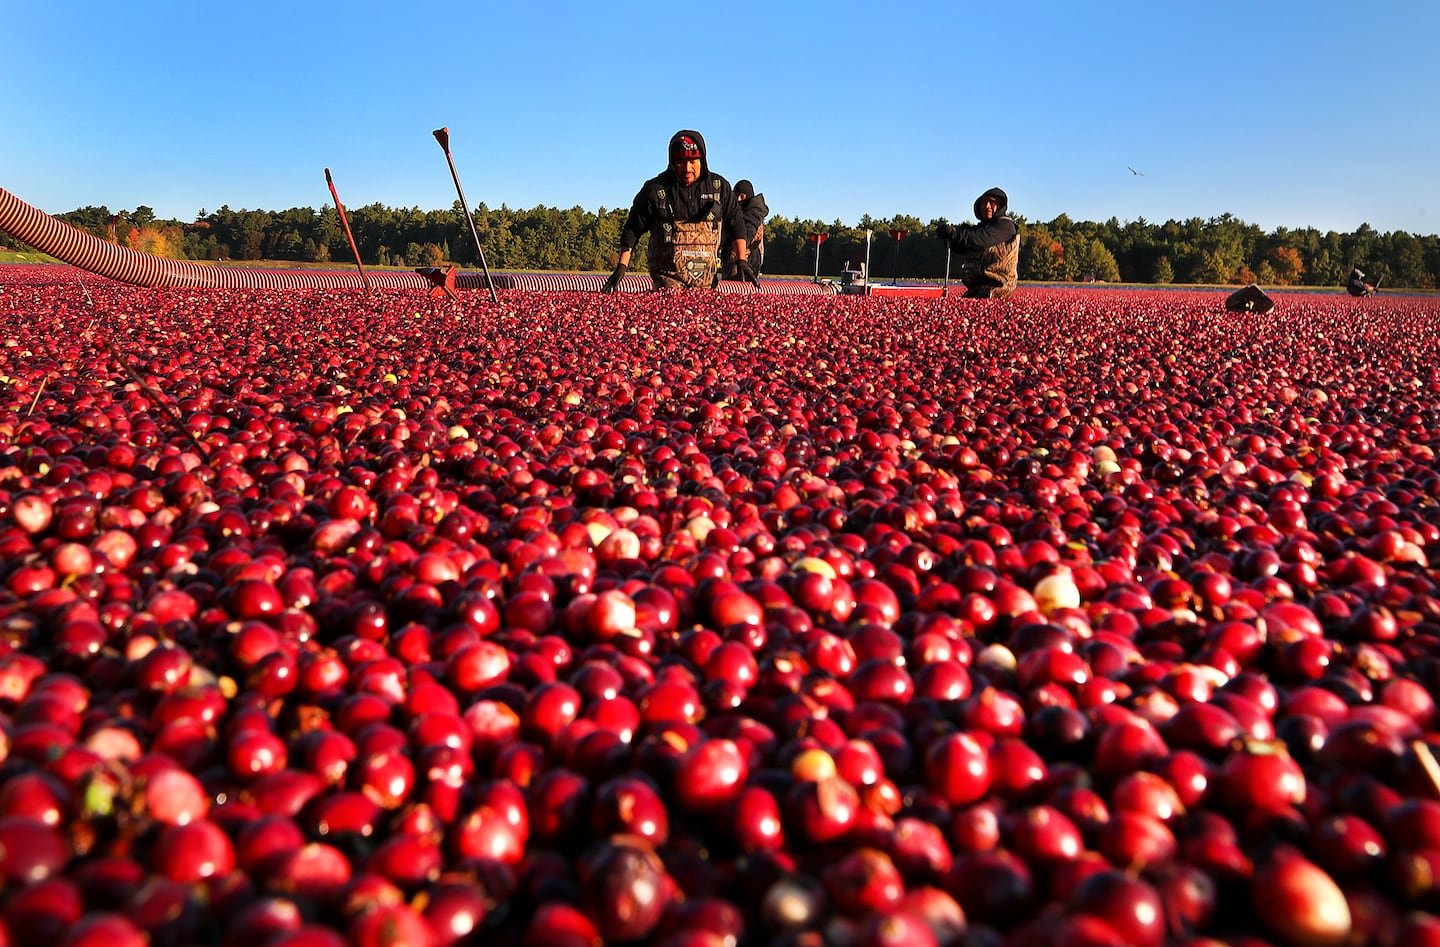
(946, 232)
(613, 282)
(743, 272)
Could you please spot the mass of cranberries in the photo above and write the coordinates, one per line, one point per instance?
(1083, 617)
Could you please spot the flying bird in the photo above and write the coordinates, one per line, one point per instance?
(1133, 171)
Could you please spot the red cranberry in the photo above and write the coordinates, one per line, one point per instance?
(1131, 906)
(1298, 902)
(958, 768)
(625, 888)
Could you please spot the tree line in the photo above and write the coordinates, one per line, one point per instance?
(1217, 250)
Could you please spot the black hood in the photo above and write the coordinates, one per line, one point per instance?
(699, 140)
(994, 192)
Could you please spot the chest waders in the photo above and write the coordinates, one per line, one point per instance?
(685, 254)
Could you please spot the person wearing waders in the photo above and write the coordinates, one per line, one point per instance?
(987, 254)
(754, 210)
(685, 209)
(1358, 284)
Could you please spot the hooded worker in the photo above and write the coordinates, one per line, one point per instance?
(754, 210)
(1358, 284)
(987, 253)
(685, 209)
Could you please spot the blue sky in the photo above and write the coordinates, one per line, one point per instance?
(1281, 113)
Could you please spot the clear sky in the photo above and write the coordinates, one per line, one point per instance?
(1281, 113)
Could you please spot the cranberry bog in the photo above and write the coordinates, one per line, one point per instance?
(1085, 617)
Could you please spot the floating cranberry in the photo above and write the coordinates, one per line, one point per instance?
(710, 774)
(864, 881)
(1261, 775)
(104, 929)
(1298, 902)
(755, 820)
(992, 887)
(30, 850)
(624, 888)
(821, 811)
(1042, 835)
(1131, 906)
(629, 805)
(958, 768)
(41, 912)
(192, 852)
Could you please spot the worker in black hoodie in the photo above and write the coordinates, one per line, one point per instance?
(1358, 284)
(685, 209)
(754, 210)
(988, 253)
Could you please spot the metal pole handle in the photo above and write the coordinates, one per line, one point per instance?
(442, 135)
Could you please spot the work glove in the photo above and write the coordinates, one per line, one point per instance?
(743, 272)
(613, 282)
(946, 232)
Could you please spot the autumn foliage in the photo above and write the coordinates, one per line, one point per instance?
(157, 240)
(1287, 265)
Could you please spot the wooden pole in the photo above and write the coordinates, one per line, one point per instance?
(345, 223)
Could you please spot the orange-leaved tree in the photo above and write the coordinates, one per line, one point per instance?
(1286, 264)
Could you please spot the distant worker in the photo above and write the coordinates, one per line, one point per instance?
(1249, 299)
(1357, 284)
(754, 210)
(854, 273)
(988, 253)
(685, 208)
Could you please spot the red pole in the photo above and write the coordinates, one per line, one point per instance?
(344, 222)
(817, 239)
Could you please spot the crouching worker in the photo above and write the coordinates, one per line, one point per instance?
(1249, 299)
(987, 254)
(685, 209)
(1358, 284)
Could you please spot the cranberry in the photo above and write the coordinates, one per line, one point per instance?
(1131, 906)
(624, 887)
(958, 768)
(1299, 902)
(1042, 835)
(193, 852)
(30, 850)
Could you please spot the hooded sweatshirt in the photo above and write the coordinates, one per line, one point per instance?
(989, 252)
(663, 198)
(1358, 284)
(754, 210)
(988, 233)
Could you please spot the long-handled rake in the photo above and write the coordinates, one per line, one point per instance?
(442, 135)
(345, 223)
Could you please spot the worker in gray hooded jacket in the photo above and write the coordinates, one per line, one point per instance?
(987, 253)
(686, 209)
